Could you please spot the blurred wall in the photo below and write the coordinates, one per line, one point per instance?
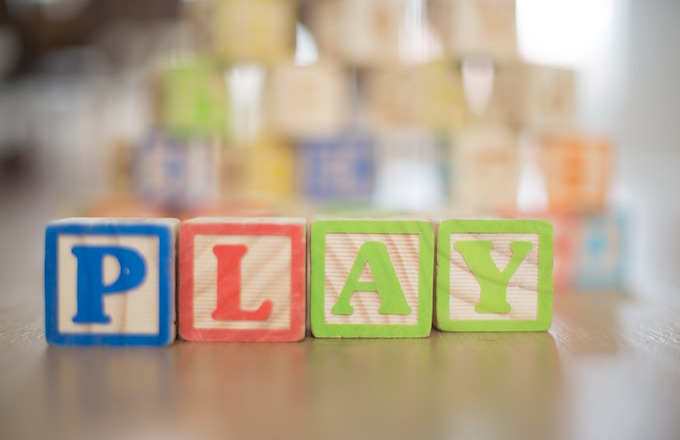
(633, 92)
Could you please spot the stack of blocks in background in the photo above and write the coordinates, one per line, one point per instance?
(312, 105)
(112, 282)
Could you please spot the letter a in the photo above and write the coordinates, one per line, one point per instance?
(385, 282)
(229, 287)
(91, 288)
(494, 283)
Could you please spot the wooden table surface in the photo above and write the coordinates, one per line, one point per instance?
(609, 368)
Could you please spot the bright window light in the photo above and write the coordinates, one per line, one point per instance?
(568, 33)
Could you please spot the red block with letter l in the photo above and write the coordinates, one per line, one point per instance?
(242, 279)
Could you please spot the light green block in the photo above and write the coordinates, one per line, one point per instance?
(494, 275)
(371, 278)
(193, 99)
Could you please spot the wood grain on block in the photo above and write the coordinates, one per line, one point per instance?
(304, 101)
(341, 252)
(254, 30)
(494, 275)
(476, 27)
(371, 278)
(522, 289)
(242, 279)
(110, 282)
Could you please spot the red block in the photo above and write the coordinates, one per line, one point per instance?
(242, 279)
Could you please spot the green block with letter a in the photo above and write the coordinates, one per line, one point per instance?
(371, 278)
(494, 275)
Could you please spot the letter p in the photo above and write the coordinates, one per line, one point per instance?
(91, 287)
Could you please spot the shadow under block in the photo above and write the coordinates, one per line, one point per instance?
(242, 279)
(371, 278)
(494, 275)
(110, 282)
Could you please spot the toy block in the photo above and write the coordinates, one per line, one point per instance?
(338, 169)
(371, 278)
(257, 31)
(176, 174)
(494, 275)
(577, 171)
(192, 99)
(322, 21)
(267, 169)
(537, 97)
(370, 31)
(486, 169)
(430, 95)
(421, 156)
(242, 279)
(476, 27)
(600, 245)
(307, 101)
(110, 282)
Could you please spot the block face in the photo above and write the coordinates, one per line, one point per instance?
(110, 282)
(371, 278)
(494, 275)
(242, 280)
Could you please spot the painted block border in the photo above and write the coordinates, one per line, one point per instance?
(297, 233)
(166, 286)
(320, 329)
(545, 263)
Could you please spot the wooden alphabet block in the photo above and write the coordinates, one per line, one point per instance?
(600, 251)
(307, 101)
(242, 279)
(486, 169)
(494, 275)
(577, 172)
(176, 175)
(260, 31)
(476, 27)
(537, 97)
(110, 282)
(338, 169)
(369, 32)
(371, 278)
(192, 99)
(430, 95)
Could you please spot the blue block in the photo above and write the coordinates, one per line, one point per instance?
(601, 255)
(110, 282)
(338, 169)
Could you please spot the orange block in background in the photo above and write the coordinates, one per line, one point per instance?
(577, 172)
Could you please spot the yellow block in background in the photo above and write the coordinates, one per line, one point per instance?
(255, 30)
(268, 171)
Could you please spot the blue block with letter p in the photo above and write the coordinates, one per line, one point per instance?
(110, 282)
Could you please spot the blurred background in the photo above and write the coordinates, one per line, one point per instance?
(564, 110)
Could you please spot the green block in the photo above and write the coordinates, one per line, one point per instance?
(371, 278)
(193, 99)
(494, 275)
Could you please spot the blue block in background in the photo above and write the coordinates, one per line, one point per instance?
(110, 282)
(176, 174)
(601, 253)
(337, 169)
